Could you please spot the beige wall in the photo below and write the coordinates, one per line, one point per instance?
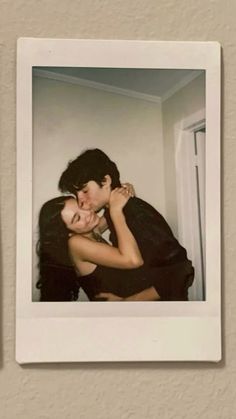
(175, 109)
(122, 390)
(69, 118)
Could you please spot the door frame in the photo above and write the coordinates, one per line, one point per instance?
(186, 208)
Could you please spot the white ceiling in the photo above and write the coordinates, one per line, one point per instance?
(154, 82)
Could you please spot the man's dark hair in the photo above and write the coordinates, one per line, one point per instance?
(92, 164)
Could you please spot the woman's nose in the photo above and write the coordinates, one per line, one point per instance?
(86, 212)
(84, 205)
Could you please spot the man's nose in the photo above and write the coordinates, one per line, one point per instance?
(82, 204)
(82, 201)
(80, 197)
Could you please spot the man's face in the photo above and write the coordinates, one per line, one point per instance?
(93, 196)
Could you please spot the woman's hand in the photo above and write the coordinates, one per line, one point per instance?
(118, 198)
(129, 187)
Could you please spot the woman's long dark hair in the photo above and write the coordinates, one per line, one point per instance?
(57, 278)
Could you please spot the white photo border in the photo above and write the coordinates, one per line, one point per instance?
(140, 331)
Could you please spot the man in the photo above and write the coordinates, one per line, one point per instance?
(167, 271)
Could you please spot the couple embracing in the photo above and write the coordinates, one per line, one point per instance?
(145, 261)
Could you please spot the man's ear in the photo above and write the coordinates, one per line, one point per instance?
(107, 181)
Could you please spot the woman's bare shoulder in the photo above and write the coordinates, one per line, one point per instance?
(77, 240)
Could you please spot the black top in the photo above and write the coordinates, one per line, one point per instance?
(121, 282)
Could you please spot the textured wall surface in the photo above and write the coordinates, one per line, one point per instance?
(124, 391)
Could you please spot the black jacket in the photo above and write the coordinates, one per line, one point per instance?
(166, 265)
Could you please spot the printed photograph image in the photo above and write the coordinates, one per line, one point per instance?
(118, 184)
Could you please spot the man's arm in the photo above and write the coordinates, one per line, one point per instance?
(149, 294)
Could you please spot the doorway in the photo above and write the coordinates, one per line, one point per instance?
(190, 152)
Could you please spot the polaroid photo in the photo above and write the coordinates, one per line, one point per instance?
(118, 201)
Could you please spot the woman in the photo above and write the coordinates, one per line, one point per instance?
(70, 245)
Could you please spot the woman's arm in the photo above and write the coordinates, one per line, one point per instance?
(102, 226)
(126, 256)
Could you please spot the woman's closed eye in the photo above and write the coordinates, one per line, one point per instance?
(75, 218)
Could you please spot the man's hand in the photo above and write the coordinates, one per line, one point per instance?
(149, 294)
(108, 296)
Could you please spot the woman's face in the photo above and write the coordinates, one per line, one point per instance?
(77, 219)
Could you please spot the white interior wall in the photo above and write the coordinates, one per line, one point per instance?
(182, 104)
(69, 118)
